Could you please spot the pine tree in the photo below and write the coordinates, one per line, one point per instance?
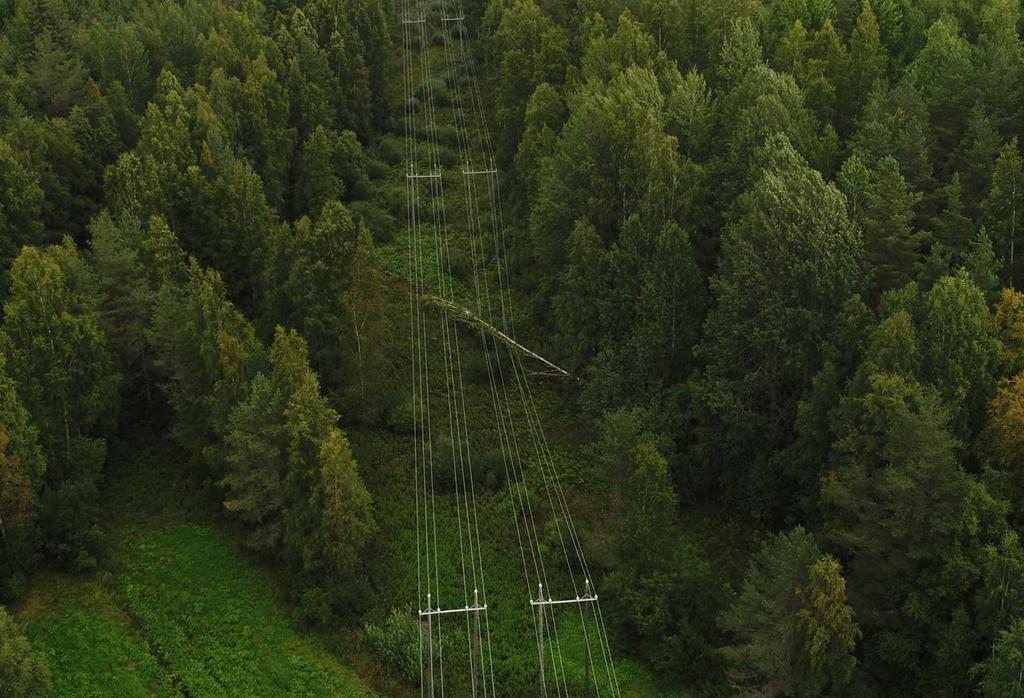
(826, 631)
(867, 66)
(952, 228)
(317, 180)
(794, 629)
(307, 272)
(944, 72)
(892, 245)
(1000, 85)
(206, 353)
(975, 158)
(981, 263)
(741, 51)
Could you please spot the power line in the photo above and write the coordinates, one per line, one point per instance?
(425, 178)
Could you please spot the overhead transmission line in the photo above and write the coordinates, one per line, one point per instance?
(425, 177)
(436, 574)
(549, 472)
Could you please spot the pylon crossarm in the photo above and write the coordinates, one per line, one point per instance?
(587, 597)
(447, 611)
(559, 602)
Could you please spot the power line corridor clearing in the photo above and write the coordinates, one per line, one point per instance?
(456, 653)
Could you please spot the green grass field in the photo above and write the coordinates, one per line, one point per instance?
(176, 608)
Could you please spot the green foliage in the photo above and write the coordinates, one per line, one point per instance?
(741, 51)
(867, 65)
(22, 200)
(882, 204)
(612, 160)
(184, 169)
(206, 352)
(746, 336)
(958, 350)
(1008, 327)
(1000, 673)
(23, 673)
(290, 476)
(308, 270)
(91, 647)
(827, 631)
(795, 631)
(211, 618)
(22, 471)
(900, 497)
(1003, 205)
(660, 597)
(18, 513)
(57, 356)
(790, 258)
(527, 49)
(943, 72)
(396, 642)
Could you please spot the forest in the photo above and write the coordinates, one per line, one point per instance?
(752, 274)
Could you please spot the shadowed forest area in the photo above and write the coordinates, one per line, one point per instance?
(773, 244)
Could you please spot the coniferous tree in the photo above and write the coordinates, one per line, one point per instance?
(206, 353)
(1000, 76)
(656, 565)
(976, 157)
(866, 67)
(883, 206)
(308, 270)
(794, 628)
(981, 263)
(951, 227)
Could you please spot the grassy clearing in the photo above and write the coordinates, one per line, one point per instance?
(89, 641)
(211, 618)
(176, 608)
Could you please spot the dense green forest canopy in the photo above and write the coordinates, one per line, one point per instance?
(775, 243)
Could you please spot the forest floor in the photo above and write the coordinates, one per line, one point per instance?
(175, 606)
